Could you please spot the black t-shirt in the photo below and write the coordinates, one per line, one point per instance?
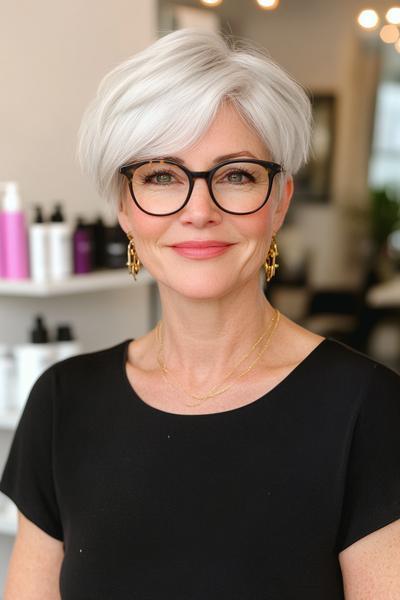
(254, 503)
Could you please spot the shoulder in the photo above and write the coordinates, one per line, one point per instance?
(81, 373)
(347, 360)
(370, 388)
(81, 363)
(69, 389)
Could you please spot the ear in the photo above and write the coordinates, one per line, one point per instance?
(282, 204)
(122, 216)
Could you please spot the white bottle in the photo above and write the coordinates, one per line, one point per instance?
(31, 360)
(60, 246)
(39, 248)
(65, 344)
(7, 378)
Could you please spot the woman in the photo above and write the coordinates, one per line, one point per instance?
(228, 453)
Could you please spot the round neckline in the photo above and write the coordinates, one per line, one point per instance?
(239, 409)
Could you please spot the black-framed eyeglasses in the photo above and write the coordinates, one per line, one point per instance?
(163, 187)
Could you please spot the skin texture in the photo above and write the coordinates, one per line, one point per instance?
(35, 564)
(371, 566)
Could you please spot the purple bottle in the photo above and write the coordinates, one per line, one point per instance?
(13, 236)
(83, 248)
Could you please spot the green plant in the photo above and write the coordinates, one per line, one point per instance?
(385, 212)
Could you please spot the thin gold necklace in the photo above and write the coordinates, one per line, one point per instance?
(161, 350)
(212, 393)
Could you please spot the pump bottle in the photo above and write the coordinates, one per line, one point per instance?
(39, 247)
(60, 245)
(32, 359)
(13, 235)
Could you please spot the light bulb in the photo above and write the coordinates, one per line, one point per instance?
(268, 4)
(389, 34)
(368, 19)
(393, 15)
(211, 2)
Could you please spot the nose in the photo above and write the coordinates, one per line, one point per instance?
(201, 209)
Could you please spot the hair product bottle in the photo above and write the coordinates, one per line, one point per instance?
(83, 248)
(32, 359)
(60, 246)
(99, 242)
(14, 235)
(39, 247)
(65, 344)
(2, 245)
(116, 244)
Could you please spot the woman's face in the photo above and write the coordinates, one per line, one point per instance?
(201, 219)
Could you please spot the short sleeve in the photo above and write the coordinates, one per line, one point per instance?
(28, 476)
(372, 491)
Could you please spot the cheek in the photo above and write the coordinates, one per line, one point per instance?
(256, 227)
(146, 227)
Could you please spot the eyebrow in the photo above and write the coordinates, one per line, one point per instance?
(216, 160)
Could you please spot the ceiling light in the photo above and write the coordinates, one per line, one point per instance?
(211, 2)
(393, 15)
(368, 19)
(268, 4)
(389, 34)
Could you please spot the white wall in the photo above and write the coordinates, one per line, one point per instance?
(52, 57)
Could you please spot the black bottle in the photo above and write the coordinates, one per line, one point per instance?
(39, 334)
(116, 247)
(99, 242)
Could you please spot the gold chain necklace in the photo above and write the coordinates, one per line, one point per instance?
(163, 366)
(212, 393)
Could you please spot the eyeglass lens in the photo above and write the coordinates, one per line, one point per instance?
(163, 188)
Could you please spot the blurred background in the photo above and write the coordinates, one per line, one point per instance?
(339, 259)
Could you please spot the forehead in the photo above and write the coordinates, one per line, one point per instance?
(229, 134)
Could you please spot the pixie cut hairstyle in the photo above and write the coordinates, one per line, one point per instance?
(164, 98)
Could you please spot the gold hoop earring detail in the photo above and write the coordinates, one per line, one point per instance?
(133, 262)
(270, 264)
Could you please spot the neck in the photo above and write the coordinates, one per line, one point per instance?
(204, 339)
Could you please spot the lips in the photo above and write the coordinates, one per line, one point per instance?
(201, 244)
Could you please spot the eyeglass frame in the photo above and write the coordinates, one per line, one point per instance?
(207, 175)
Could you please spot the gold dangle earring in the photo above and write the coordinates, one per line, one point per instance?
(270, 264)
(133, 263)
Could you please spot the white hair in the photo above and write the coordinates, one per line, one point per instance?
(164, 98)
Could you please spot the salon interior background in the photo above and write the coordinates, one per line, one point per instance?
(52, 58)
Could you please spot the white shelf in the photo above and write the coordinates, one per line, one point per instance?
(76, 284)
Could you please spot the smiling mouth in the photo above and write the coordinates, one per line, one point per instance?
(202, 244)
(201, 252)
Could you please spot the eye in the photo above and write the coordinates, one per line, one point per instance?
(236, 176)
(158, 177)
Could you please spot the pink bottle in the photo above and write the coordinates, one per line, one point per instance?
(13, 235)
(2, 249)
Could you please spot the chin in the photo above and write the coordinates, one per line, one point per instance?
(201, 288)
